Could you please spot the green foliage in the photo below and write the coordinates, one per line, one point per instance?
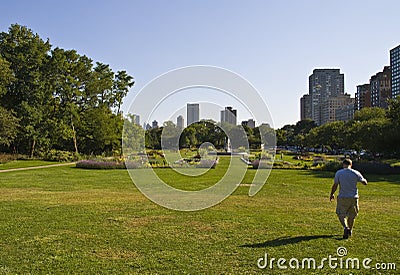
(294, 134)
(59, 155)
(373, 129)
(9, 126)
(367, 114)
(332, 166)
(62, 101)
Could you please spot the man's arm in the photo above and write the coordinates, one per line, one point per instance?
(334, 188)
(361, 178)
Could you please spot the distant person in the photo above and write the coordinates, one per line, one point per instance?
(347, 200)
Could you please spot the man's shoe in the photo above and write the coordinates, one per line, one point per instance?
(350, 232)
(346, 233)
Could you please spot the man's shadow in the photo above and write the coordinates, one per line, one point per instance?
(289, 240)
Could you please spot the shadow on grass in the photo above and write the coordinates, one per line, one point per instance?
(286, 240)
(370, 177)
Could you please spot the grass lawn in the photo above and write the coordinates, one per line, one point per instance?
(69, 220)
(24, 163)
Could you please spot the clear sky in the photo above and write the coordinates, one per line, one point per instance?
(275, 45)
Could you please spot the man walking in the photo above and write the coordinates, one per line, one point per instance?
(347, 201)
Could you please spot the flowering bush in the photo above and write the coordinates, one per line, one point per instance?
(207, 163)
(92, 164)
(262, 164)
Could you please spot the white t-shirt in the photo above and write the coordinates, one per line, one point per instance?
(347, 179)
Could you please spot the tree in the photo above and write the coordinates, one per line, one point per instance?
(27, 55)
(366, 114)
(330, 135)
(132, 137)
(8, 127)
(57, 95)
(122, 83)
(100, 131)
(69, 76)
(6, 76)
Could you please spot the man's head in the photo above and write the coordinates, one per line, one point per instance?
(347, 163)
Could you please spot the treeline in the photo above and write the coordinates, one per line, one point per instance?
(373, 129)
(209, 131)
(52, 98)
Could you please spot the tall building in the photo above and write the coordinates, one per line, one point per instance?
(136, 119)
(249, 123)
(305, 107)
(380, 85)
(229, 115)
(363, 97)
(323, 84)
(180, 123)
(345, 113)
(331, 104)
(193, 113)
(395, 66)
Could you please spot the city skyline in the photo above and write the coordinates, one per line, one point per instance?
(149, 38)
(327, 102)
(227, 115)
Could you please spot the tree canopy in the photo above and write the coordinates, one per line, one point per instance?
(56, 98)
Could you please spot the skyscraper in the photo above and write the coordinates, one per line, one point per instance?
(180, 122)
(249, 123)
(305, 107)
(363, 97)
(229, 115)
(331, 104)
(380, 85)
(136, 119)
(193, 113)
(323, 84)
(395, 66)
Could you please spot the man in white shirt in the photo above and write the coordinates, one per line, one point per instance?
(347, 201)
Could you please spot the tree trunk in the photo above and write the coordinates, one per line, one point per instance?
(74, 136)
(33, 147)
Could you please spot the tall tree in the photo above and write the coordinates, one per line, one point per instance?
(122, 83)
(8, 127)
(27, 95)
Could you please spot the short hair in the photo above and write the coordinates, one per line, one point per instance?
(347, 162)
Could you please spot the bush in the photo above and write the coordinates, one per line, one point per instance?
(262, 164)
(207, 163)
(7, 158)
(59, 155)
(378, 168)
(92, 164)
(332, 166)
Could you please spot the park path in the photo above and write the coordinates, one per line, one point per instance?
(37, 167)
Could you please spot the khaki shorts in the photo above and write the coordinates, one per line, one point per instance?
(347, 207)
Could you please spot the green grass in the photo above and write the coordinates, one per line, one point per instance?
(24, 163)
(68, 220)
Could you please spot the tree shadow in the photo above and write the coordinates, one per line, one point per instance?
(289, 240)
(370, 177)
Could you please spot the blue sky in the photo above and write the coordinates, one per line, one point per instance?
(275, 45)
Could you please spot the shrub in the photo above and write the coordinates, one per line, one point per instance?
(7, 157)
(261, 164)
(332, 166)
(59, 155)
(92, 164)
(378, 168)
(207, 163)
